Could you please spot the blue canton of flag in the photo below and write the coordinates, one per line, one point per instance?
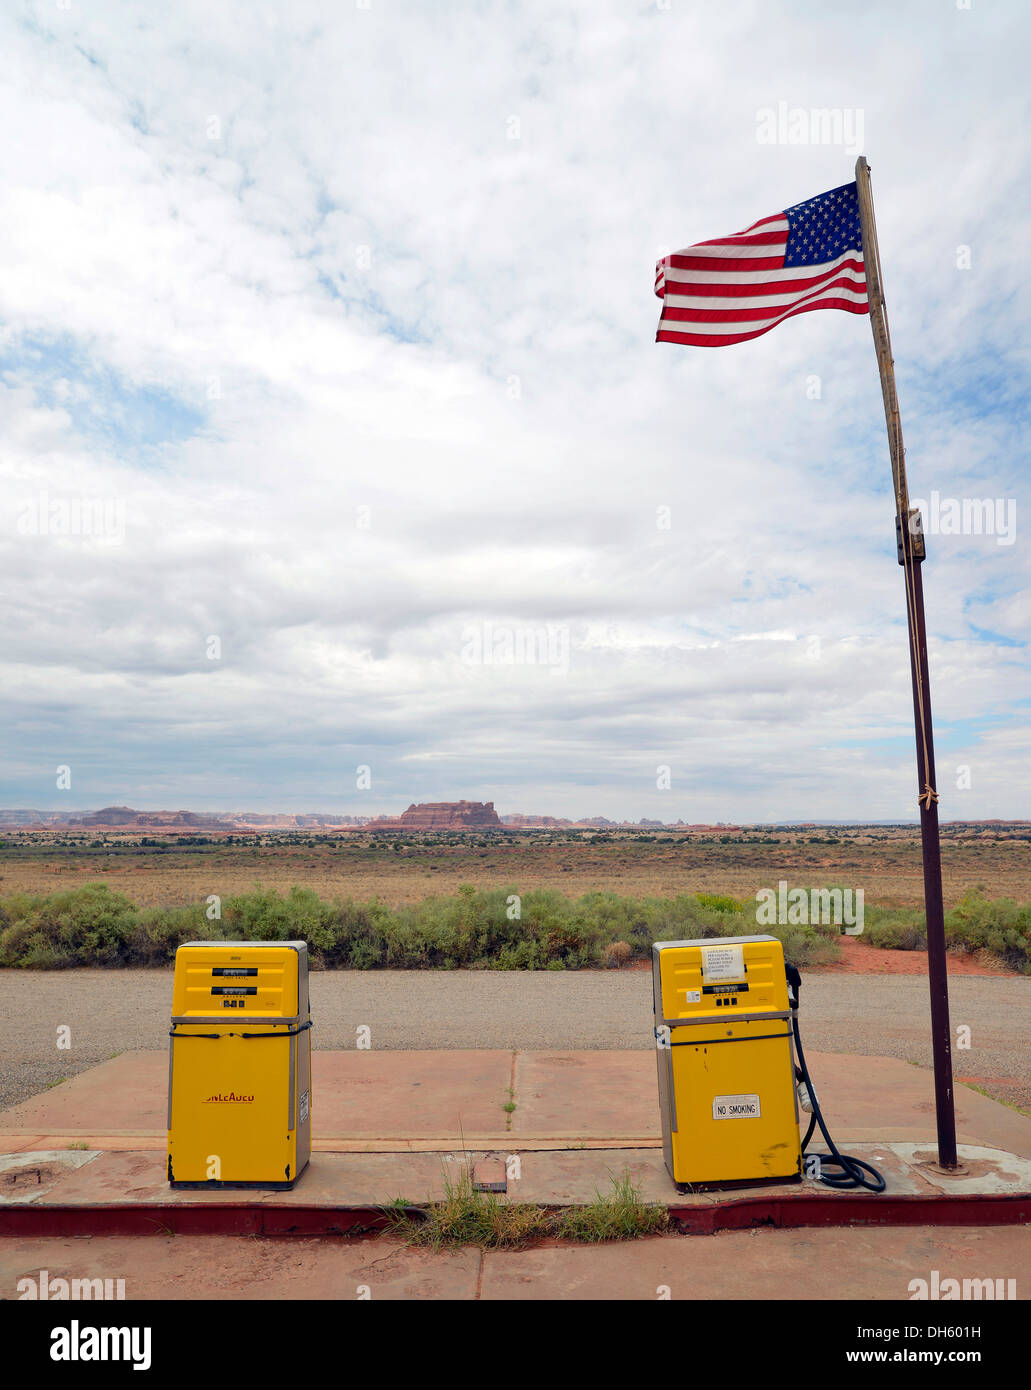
(821, 229)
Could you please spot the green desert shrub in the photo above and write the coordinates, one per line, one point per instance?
(807, 945)
(997, 925)
(159, 931)
(897, 930)
(264, 916)
(90, 925)
(481, 929)
(719, 902)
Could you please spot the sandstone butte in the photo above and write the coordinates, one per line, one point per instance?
(443, 815)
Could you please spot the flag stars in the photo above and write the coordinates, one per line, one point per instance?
(823, 228)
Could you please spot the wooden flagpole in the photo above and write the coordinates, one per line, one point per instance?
(911, 551)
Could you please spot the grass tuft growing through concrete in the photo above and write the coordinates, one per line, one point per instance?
(467, 1217)
(619, 1216)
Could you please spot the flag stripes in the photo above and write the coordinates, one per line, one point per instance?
(731, 289)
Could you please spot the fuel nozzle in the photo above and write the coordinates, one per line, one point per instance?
(794, 979)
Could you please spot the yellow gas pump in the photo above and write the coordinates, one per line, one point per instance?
(725, 1066)
(239, 1073)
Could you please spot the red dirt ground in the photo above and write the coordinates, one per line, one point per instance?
(857, 958)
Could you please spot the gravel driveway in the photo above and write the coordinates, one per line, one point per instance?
(111, 1011)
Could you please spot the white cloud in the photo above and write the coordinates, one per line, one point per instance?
(422, 355)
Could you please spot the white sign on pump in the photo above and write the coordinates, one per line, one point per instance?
(736, 1108)
(723, 963)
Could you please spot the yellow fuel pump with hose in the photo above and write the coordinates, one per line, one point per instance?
(726, 1037)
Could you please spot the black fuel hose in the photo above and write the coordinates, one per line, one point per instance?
(853, 1171)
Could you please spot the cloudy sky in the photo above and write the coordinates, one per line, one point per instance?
(341, 468)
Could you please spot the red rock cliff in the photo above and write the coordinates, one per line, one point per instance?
(443, 815)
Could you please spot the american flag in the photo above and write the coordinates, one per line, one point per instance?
(738, 287)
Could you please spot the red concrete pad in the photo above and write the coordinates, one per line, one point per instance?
(125, 1193)
(587, 1095)
(436, 1095)
(127, 1096)
(212, 1268)
(870, 1263)
(410, 1094)
(351, 1180)
(614, 1094)
(449, 1098)
(882, 1098)
(575, 1176)
(32, 1177)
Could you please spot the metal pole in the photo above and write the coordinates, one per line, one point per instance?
(911, 551)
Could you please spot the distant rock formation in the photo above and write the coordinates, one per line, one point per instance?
(126, 816)
(110, 815)
(520, 822)
(226, 822)
(443, 815)
(429, 815)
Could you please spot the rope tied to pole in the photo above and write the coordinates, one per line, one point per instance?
(930, 794)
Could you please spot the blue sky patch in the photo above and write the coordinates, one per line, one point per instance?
(105, 408)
